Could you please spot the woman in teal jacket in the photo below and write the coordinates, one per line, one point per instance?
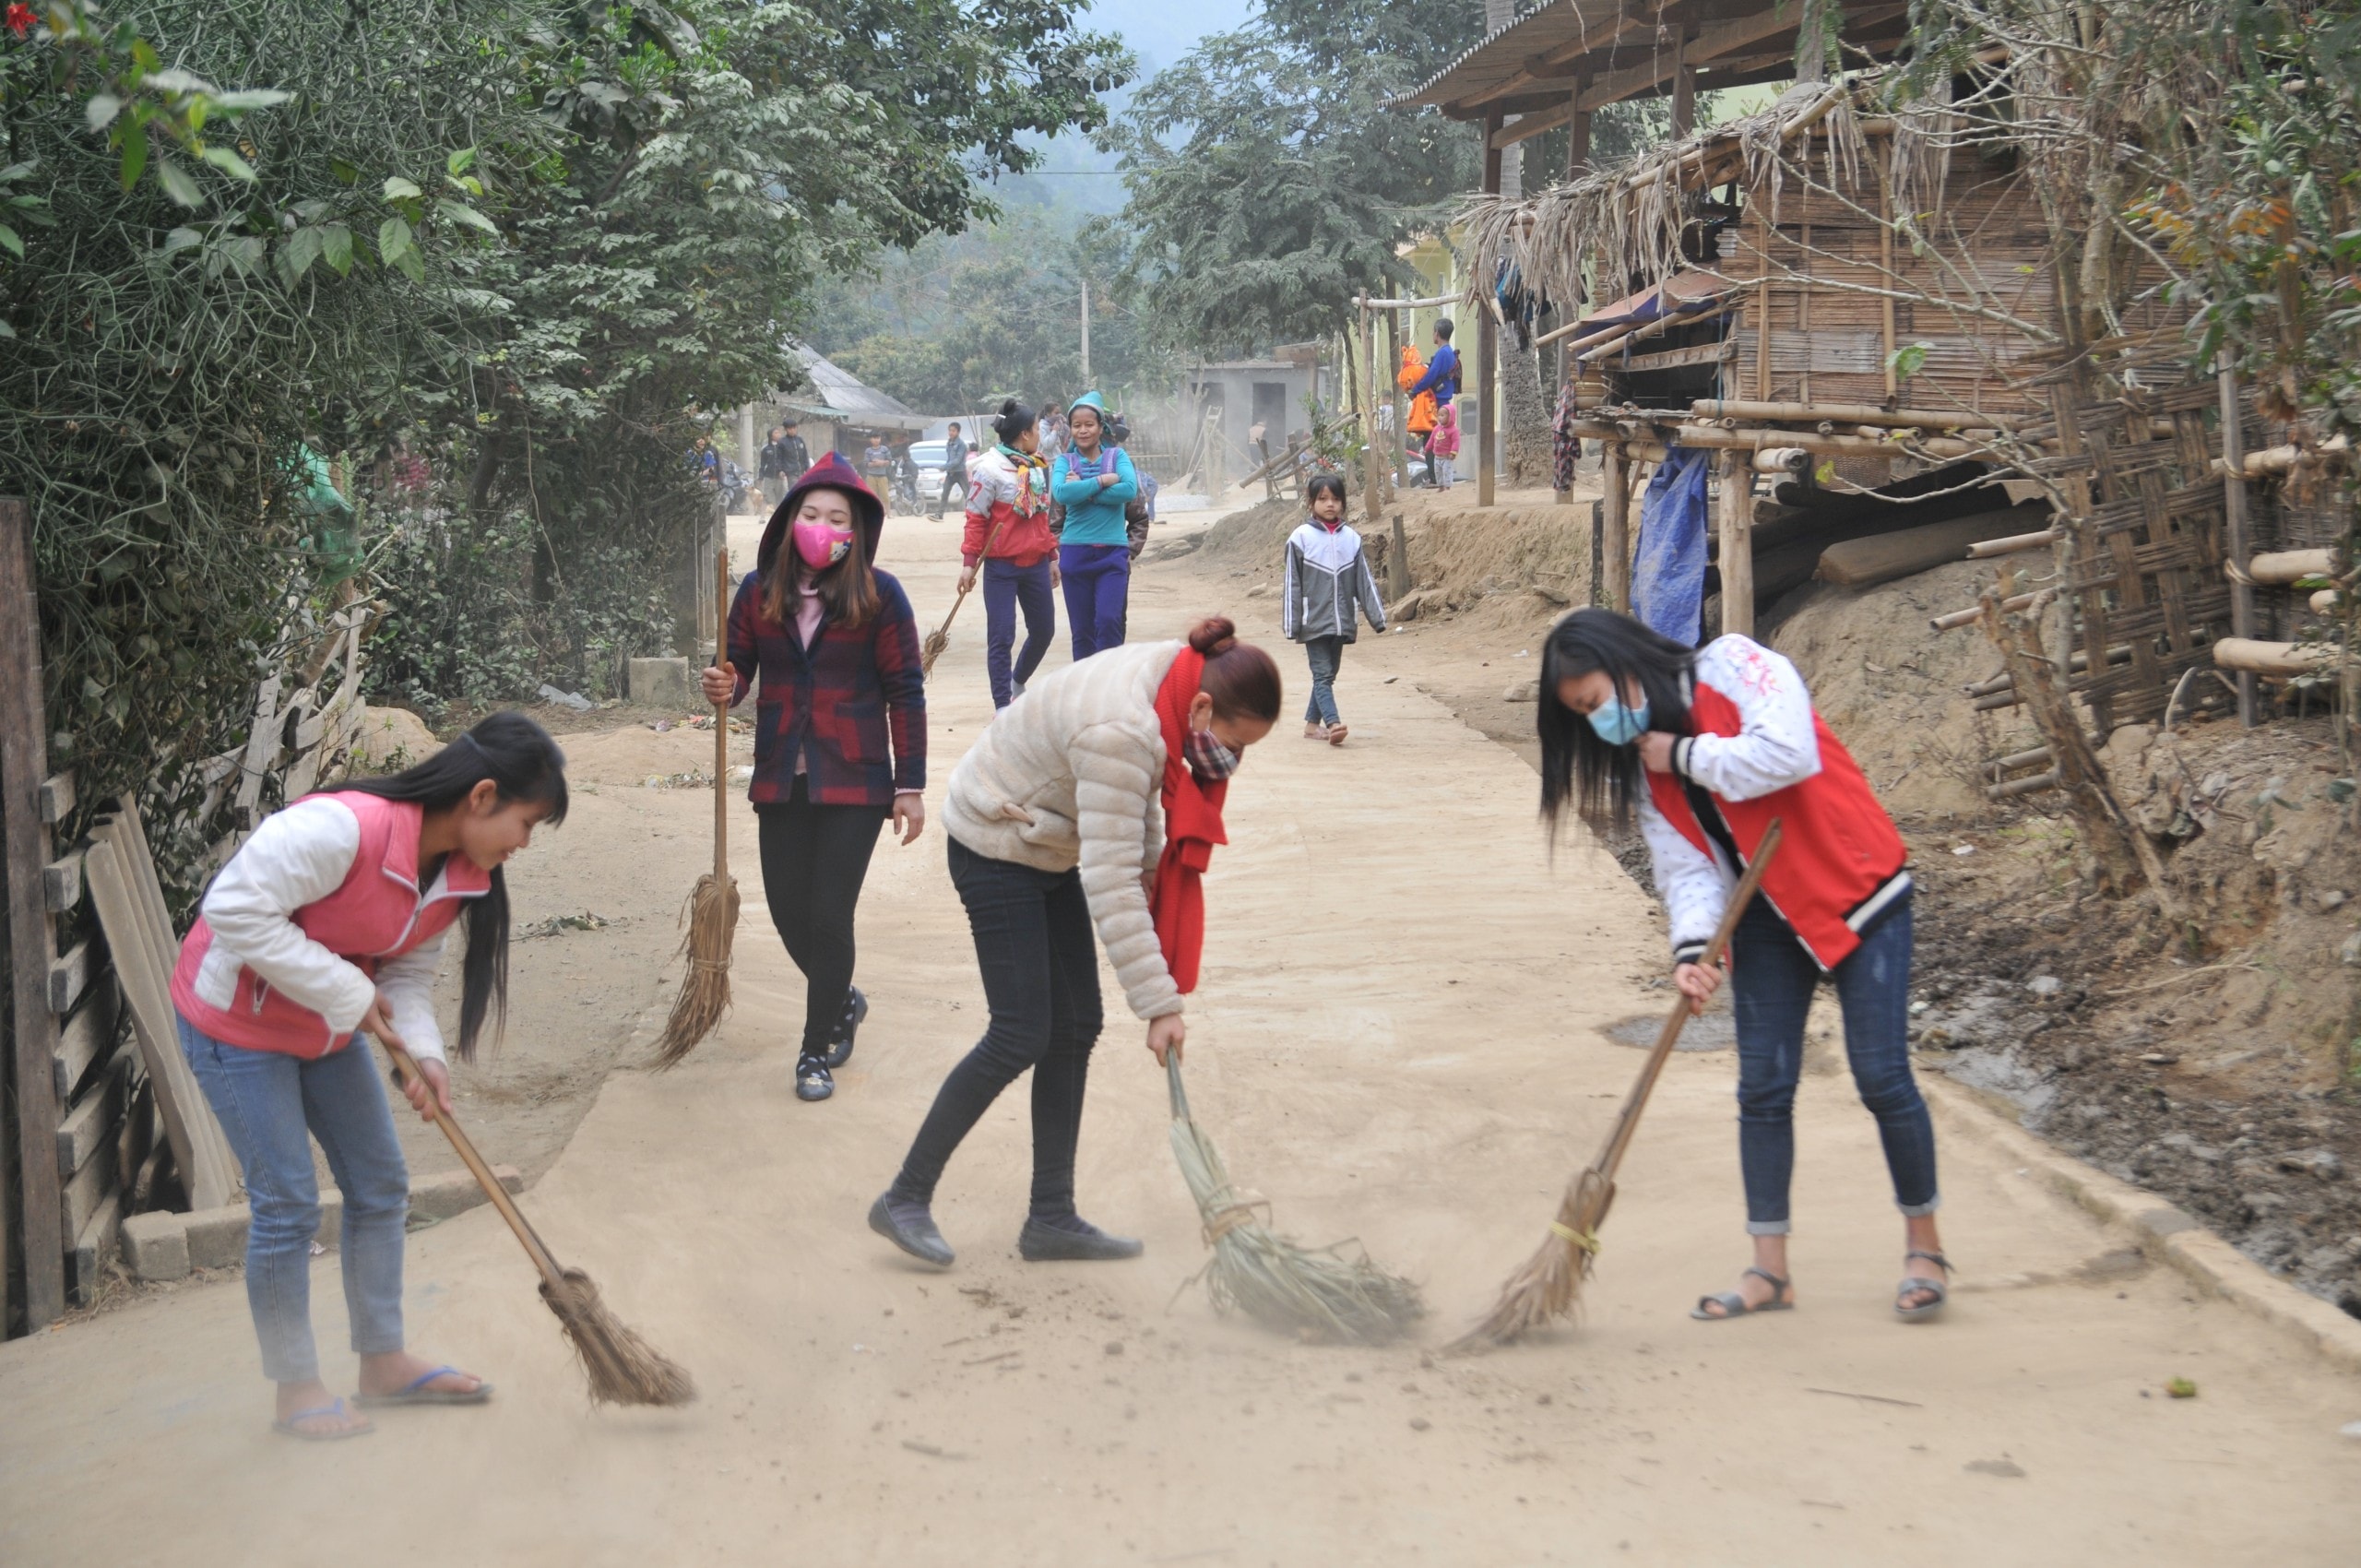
(1094, 482)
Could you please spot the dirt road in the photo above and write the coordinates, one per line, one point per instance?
(1400, 1038)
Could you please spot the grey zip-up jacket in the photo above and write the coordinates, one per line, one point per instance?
(1327, 574)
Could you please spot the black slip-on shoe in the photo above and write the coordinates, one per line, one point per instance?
(909, 1226)
(1073, 1241)
(812, 1079)
(841, 1043)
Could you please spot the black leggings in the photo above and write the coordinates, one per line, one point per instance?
(814, 859)
(1040, 963)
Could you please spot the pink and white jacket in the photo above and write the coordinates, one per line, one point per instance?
(318, 911)
(1758, 751)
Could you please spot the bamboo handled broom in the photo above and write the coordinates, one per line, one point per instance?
(939, 638)
(712, 910)
(623, 1368)
(1548, 1286)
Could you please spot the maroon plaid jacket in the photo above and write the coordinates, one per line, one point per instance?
(834, 704)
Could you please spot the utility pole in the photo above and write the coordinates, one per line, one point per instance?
(1086, 334)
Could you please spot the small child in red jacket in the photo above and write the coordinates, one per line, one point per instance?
(1445, 445)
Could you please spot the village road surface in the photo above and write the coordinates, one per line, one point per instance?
(1398, 1038)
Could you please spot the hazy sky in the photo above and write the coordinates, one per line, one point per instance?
(1160, 31)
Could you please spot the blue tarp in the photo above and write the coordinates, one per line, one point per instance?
(1668, 576)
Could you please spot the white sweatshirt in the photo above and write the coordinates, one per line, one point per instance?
(1776, 745)
(299, 856)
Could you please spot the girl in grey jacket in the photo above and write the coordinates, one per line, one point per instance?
(1327, 575)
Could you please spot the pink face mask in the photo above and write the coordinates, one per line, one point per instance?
(820, 545)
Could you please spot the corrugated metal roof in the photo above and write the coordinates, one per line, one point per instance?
(839, 395)
(1501, 55)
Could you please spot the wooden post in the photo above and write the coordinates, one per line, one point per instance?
(1885, 262)
(1372, 489)
(1399, 438)
(1397, 562)
(1812, 61)
(24, 763)
(1578, 132)
(1684, 85)
(1735, 497)
(2234, 513)
(1615, 543)
(1487, 344)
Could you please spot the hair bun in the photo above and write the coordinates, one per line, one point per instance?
(1213, 635)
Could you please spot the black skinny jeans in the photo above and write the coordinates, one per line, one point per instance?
(814, 859)
(1039, 958)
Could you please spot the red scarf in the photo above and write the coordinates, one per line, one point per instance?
(1192, 828)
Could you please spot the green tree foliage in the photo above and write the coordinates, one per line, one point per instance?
(526, 237)
(960, 322)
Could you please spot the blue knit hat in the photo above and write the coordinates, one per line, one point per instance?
(1092, 401)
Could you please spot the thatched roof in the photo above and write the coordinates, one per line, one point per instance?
(1627, 219)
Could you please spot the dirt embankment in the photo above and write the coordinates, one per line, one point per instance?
(2215, 1060)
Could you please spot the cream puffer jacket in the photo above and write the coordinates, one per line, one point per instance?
(1071, 774)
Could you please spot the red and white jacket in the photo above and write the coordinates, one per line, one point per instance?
(1757, 750)
(1011, 495)
(318, 911)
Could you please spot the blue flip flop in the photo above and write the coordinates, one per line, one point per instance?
(419, 1394)
(335, 1407)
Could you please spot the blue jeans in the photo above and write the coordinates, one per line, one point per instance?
(1327, 654)
(267, 1103)
(1007, 587)
(1771, 978)
(1098, 582)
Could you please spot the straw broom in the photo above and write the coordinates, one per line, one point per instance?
(623, 1368)
(939, 638)
(1321, 1295)
(1549, 1288)
(712, 909)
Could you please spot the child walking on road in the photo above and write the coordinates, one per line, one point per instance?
(841, 741)
(1009, 541)
(1328, 576)
(1094, 482)
(325, 930)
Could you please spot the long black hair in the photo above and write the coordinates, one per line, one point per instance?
(1013, 420)
(525, 764)
(1318, 483)
(1603, 781)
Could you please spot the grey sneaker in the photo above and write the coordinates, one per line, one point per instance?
(1072, 1240)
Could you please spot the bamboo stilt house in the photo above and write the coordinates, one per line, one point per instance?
(1835, 293)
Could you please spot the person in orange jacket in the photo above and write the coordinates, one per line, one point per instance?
(1421, 422)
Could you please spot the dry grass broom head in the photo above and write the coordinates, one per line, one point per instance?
(1549, 1288)
(931, 649)
(1325, 1295)
(623, 1368)
(711, 915)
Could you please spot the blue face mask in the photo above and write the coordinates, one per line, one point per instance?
(1618, 725)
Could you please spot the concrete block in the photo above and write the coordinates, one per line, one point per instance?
(662, 683)
(155, 1246)
(217, 1237)
(454, 1192)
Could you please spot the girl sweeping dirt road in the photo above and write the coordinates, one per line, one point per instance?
(841, 741)
(1096, 799)
(326, 926)
(1713, 745)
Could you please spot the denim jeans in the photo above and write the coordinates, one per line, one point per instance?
(1098, 581)
(267, 1103)
(1035, 943)
(1009, 588)
(1327, 654)
(1771, 979)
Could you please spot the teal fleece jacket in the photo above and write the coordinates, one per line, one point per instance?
(1094, 513)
